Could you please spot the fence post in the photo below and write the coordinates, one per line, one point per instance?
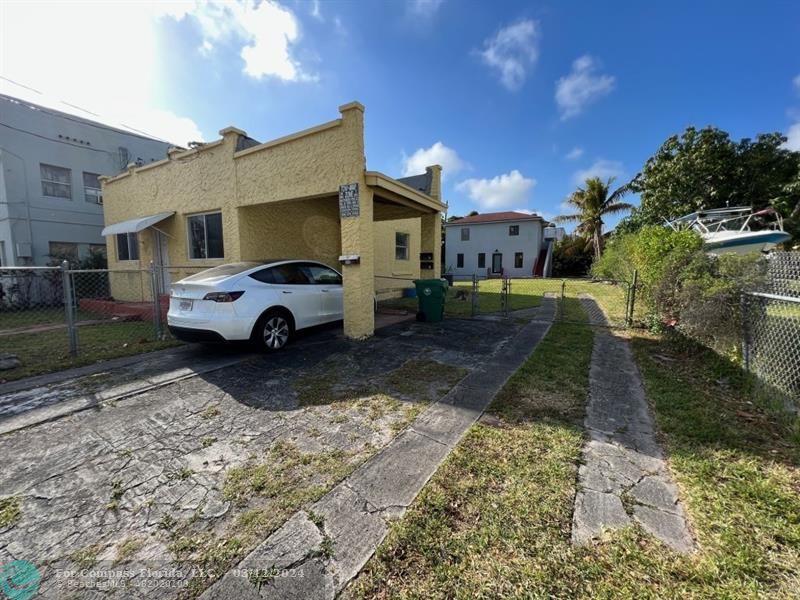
(632, 303)
(745, 333)
(155, 286)
(69, 302)
(475, 290)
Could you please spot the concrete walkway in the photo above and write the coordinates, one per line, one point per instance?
(319, 550)
(623, 478)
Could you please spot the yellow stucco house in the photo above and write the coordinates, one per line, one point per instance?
(305, 195)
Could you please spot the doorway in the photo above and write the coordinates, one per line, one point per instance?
(161, 260)
(497, 262)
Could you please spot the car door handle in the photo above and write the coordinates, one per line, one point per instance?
(324, 291)
(286, 291)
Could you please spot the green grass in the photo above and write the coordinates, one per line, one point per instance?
(48, 351)
(495, 520)
(488, 298)
(10, 511)
(527, 293)
(13, 319)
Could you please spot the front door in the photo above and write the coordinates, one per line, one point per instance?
(497, 262)
(162, 260)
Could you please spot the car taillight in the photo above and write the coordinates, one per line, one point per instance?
(223, 296)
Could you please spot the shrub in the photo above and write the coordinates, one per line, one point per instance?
(653, 251)
(572, 257)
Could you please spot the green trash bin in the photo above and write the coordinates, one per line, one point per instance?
(431, 294)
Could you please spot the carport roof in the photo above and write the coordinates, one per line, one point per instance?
(398, 190)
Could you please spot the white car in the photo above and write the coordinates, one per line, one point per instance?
(262, 301)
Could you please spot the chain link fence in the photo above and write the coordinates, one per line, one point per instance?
(57, 317)
(771, 332)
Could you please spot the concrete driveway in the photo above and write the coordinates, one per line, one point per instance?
(172, 486)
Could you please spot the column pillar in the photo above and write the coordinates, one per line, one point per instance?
(431, 241)
(359, 279)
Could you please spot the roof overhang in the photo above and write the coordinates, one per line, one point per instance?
(398, 192)
(136, 225)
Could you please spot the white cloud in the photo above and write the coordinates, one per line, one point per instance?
(796, 83)
(582, 86)
(512, 51)
(316, 12)
(793, 134)
(601, 168)
(108, 51)
(501, 191)
(438, 154)
(425, 8)
(574, 154)
(265, 31)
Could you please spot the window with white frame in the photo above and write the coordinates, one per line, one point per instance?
(513, 230)
(91, 188)
(56, 181)
(465, 234)
(127, 246)
(401, 243)
(205, 235)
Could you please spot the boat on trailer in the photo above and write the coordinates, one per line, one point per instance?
(739, 229)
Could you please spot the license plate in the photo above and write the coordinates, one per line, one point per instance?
(185, 305)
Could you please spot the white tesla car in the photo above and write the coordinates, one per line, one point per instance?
(262, 301)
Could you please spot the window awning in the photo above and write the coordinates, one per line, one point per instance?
(135, 225)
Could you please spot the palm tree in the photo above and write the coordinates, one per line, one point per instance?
(592, 203)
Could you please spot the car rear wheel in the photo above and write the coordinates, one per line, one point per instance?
(274, 331)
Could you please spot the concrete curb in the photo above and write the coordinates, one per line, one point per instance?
(322, 549)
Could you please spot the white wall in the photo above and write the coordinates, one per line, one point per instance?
(489, 238)
(28, 137)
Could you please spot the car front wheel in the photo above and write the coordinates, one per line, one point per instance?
(274, 332)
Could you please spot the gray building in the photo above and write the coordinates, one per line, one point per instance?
(499, 244)
(50, 199)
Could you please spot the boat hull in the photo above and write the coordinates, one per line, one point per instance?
(744, 242)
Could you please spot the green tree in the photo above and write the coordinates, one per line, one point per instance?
(704, 169)
(592, 203)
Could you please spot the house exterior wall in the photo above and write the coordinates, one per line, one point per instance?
(491, 237)
(33, 135)
(277, 199)
(391, 274)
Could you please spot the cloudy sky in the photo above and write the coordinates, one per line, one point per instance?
(519, 101)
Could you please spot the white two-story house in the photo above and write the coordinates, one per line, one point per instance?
(510, 244)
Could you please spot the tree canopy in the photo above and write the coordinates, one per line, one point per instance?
(591, 203)
(705, 168)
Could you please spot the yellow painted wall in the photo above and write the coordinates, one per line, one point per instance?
(392, 274)
(294, 229)
(277, 199)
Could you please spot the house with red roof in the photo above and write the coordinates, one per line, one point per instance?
(510, 244)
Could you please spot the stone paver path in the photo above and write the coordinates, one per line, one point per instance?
(319, 550)
(623, 478)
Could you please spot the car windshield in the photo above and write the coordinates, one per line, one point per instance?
(224, 271)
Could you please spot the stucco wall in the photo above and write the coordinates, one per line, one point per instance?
(390, 273)
(295, 229)
(488, 237)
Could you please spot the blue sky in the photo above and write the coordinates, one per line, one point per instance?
(518, 100)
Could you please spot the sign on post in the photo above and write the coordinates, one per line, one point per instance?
(348, 201)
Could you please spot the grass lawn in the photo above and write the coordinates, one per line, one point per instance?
(488, 298)
(527, 293)
(40, 316)
(495, 520)
(48, 351)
